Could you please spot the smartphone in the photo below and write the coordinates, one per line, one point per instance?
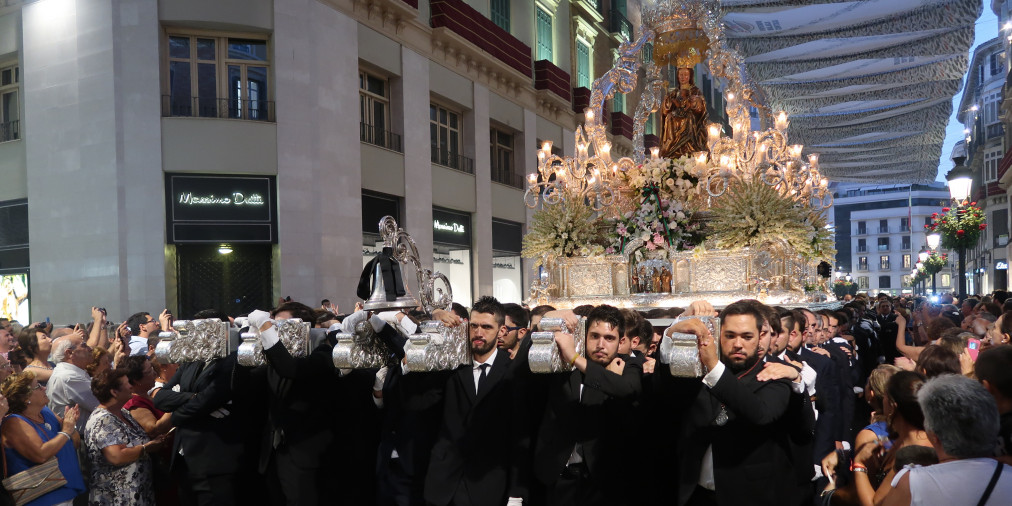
(47, 321)
(973, 348)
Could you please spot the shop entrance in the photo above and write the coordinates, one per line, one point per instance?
(211, 277)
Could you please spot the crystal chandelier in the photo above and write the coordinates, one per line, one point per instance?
(680, 32)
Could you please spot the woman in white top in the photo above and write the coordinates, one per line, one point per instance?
(961, 420)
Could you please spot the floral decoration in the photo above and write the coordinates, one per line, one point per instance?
(566, 229)
(661, 220)
(960, 227)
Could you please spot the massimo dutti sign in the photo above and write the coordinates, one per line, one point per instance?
(207, 209)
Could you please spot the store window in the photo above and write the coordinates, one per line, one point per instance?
(451, 241)
(507, 265)
(884, 282)
(862, 282)
(218, 77)
(10, 114)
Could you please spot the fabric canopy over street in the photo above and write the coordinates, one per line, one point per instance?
(867, 84)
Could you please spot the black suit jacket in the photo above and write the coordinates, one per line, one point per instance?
(210, 445)
(411, 415)
(751, 451)
(597, 420)
(478, 447)
(301, 404)
(827, 401)
(799, 422)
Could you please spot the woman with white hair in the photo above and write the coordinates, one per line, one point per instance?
(961, 420)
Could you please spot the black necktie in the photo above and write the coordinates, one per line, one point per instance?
(481, 377)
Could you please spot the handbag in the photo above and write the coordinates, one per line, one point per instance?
(33, 482)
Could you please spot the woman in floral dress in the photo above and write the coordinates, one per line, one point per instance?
(117, 446)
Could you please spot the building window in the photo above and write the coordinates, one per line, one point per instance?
(883, 244)
(862, 227)
(997, 64)
(10, 113)
(883, 226)
(906, 242)
(544, 33)
(992, 158)
(502, 159)
(862, 246)
(374, 106)
(218, 77)
(651, 126)
(444, 127)
(583, 71)
(862, 282)
(992, 102)
(905, 225)
(885, 282)
(946, 280)
(905, 280)
(618, 102)
(862, 263)
(906, 261)
(501, 14)
(883, 263)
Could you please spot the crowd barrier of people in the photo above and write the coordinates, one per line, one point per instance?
(882, 400)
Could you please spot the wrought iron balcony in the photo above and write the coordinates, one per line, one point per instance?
(452, 160)
(379, 137)
(213, 107)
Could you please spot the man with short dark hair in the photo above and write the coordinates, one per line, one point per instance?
(516, 328)
(581, 448)
(994, 371)
(143, 326)
(472, 464)
(729, 426)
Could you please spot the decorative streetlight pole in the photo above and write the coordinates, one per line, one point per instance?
(933, 240)
(960, 179)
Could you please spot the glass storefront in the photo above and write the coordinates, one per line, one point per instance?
(451, 251)
(507, 266)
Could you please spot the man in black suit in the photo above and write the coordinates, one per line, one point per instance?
(472, 463)
(207, 451)
(827, 387)
(582, 447)
(732, 448)
(300, 406)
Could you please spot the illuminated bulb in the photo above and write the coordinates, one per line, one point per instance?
(532, 177)
(541, 156)
(590, 115)
(781, 121)
(730, 97)
(605, 149)
(974, 107)
(701, 157)
(546, 147)
(796, 150)
(824, 183)
(725, 161)
(655, 153)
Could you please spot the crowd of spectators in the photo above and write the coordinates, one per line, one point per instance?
(884, 400)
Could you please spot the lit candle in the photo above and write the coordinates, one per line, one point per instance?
(655, 153)
(824, 183)
(760, 155)
(546, 147)
(541, 156)
(590, 115)
(701, 157)
(730, 98)
(533, 178)
(796, 151)
(813, 160)
(605, 149)
(713, 133)
(781, 121)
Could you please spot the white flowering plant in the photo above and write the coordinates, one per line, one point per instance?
(661, 218)
(566, 229)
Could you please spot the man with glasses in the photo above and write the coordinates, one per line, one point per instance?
(143, 326)
(70, 383)
(516, 328)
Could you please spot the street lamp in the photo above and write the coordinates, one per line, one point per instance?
(933, 240)
(959, 179)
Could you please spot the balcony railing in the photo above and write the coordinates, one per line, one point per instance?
(508, 177)
(904, 228)
(883, 266)
(452, 160)
(862, 249)
(862, 231)
(211, 107)
(619, 24)
(883, 230)
(10, 131)
(379, 137)
(862, 267)
(883, 247)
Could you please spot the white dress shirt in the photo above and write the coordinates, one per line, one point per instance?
(138, 346)
(476, 367)
(71, 385)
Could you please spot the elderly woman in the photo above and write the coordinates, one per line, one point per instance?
(961, 419)
(117, 446)
(36, 345)
(142, 377)
(101, 361)
(32, 434)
